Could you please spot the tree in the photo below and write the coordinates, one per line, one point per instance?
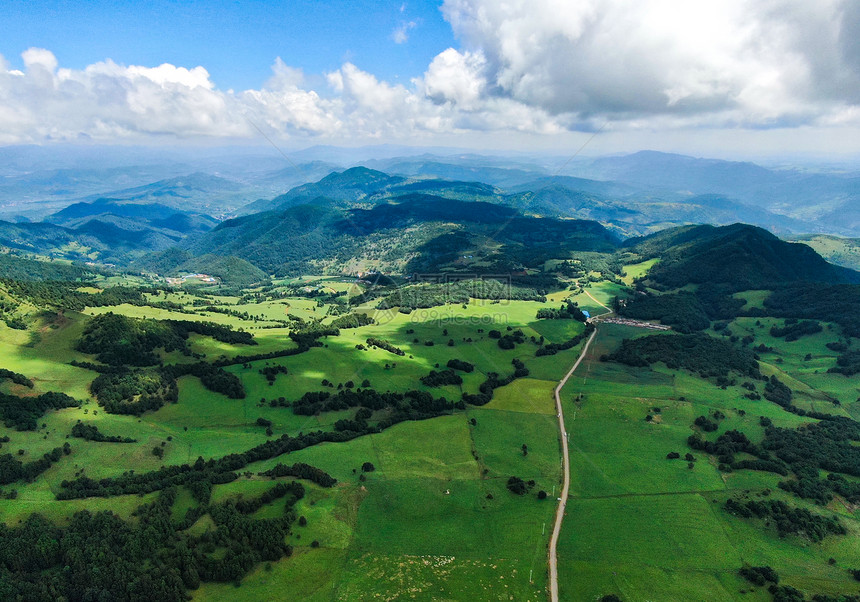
(367, 467)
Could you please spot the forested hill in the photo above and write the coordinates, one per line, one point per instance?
(19, 268)
(740, 256)
(350, 185)
(400, 232)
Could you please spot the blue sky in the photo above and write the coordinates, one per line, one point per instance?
(237, 42)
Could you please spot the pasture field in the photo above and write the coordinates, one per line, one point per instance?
(434, 518)
(637, 270)
(643, 527)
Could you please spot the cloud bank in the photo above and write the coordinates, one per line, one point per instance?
(538, 67)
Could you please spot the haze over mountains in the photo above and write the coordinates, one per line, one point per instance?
(113, 207)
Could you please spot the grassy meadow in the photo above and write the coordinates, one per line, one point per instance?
(434, 517)
(434, 520)
(647, 528)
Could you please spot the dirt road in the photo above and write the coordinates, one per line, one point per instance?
(565, 461)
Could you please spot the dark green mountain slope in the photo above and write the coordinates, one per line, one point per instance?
(163, 262)
(106, 238)
(739, 256)
(346, 187)
(231, 271)
(837, 250)
(416, 231)
(627, 209)
(19, 268)
(101, 206)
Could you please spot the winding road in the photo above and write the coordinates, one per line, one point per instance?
(565, 461)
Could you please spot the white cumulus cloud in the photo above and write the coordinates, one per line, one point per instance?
(539, 67)
(735, 62)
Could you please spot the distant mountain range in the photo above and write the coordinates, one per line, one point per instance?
(106, 230)
(623, 208)
(414, 232)
(632, 195)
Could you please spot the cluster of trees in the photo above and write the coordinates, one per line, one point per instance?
(518, 486)
(198, 477)
(682, 311)
(780, 394)
(300, 470)
(734, 442)
(18, 379)
(312, 403)
(828, 445)
(553, 348)
(219, 332)
(461, 365)
(838, 303)
(90, 432)
(14, 267)
(358, 424)
(135, 392)
(12, 469)
(103, 557)
(21, 413)
(119, 340)
(568, 311)
(777, 392)
(441, 378)
(247, 359)
(509, 340)
(821, 491)
(251, 505)
(759, 575)
(352, 320)
(271, 372)
(847, 363)
(412, 405)
(706, 424)
(66, 295)
(788, 520)
(212, 377)
(433, 295)
(698, 353)
(493, 382)
(373, 342)
(793, 329)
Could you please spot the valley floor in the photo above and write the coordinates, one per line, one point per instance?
(434, 519)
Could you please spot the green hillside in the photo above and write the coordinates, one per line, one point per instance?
(836, 250)
(361, 406)
(741, 257)
(405, 234)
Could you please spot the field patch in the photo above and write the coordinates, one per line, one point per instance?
(499, 437)
(525, 395)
